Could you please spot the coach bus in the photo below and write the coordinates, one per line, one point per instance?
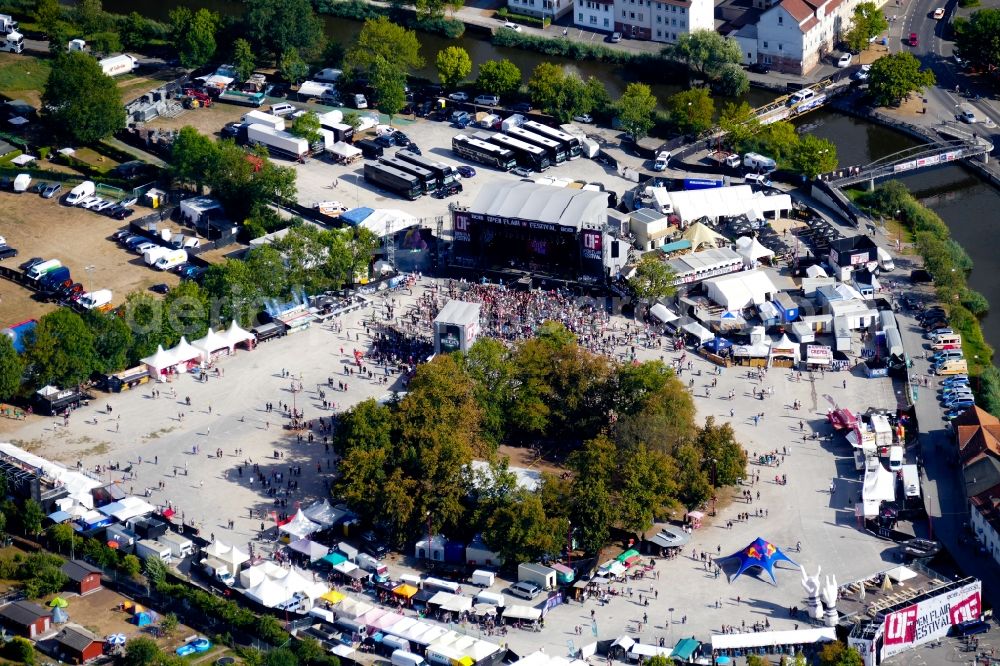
(483, 152)
(444, 173)
(404, 184)
(569, 142)
(428, 181)
(555, 151)
(527, 155)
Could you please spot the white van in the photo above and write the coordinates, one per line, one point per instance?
(404, 658)
(38, 270)
(758, 162)
(801, 96)
(911, 482)
(171, 259)
(885, 261)
(491, 598)
(895, 458)
(95, 299)
(80, 192)
(152, 255)
(758, 179)
(22, 182)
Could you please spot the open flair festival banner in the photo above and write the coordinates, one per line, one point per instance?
(930, 619)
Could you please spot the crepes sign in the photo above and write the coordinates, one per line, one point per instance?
(930, 618)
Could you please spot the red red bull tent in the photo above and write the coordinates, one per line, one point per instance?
(761, 554)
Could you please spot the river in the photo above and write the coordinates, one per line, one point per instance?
(963, 201)
(966, 204)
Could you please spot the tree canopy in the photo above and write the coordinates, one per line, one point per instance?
(193, 35)
(498, 77)
(691, 111)
(635, 109)
(893, 77)
(869, 21)
(381, 38)
(453, 66)
(563, 94)
(705, 52)
(978, 37)
(81, 102)
(653, 278)
(275, 26)
(11, 369)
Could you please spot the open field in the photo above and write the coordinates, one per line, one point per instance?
(23, 77)
(79, 238)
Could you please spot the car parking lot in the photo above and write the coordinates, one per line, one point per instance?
(321, 180)
(44, 228)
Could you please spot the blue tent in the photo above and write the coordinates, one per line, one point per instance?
(762, 554)
(59, 615)
(717, 345)
(356, 216)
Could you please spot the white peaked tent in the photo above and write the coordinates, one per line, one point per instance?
(235, 335)
(160, 362)
(231, 555)
(212, 342)
(751, 250)
(184, 352)
(299, 527)
(268, 593)
(786, 348)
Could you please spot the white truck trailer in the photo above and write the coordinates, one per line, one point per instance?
(278, 143)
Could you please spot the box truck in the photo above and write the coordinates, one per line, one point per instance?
(13, 42)
(278, 143)
(262, 118)
(218, 570)
(7, 24)
(171, 259)
(117, 65)
(757, 162)
(180, 546)
(153, 254)
(81, 191)
(541, 575)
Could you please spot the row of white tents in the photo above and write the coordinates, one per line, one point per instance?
(200, 351)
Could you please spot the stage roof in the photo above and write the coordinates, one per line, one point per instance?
(542, 203)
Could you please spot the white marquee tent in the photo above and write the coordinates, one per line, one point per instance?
(210, 344)
(268, 593)
(184, 352)
(299, 526)
(738, 290)
(235, 335)
(161, 362)
(752, 251)
(732, 201)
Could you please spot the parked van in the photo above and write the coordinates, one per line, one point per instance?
(392, 643)
(171, 259)
(404, 658)
(895, 458)
(78, 193)
(152, 254)
(758, 179)
(358, 101)
(491, 598)
(911, 482)
(96, 299)
(439, 585)
(947, 342)
(947, 355)
(757, 162)
(38, 270)
(21, 182)
(953, 367)
(885, 261)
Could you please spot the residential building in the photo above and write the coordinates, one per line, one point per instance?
(977, 436)
(550, 9)
(792, 36)
(663, 21)
(595, 14)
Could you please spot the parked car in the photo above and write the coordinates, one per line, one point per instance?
(103, 206)
(466, 171)
(511, 26)
(759, 68)
(282, 109)
(525, 590)
(520, 171)
(957, 380)
(400, 138)
(161, 288)
(51, 190)
(952, 414)
(938, 332)
(6, 252)
(488, 100)
(938, 14)
(615, 37)
(142, 247)
(386, 141)
(133, 242)
(521, 107)
(123, 213)
(960, 403)
(863, 73)
(93, 203)
(585, 118)
(459, 97)
(845, 60)
(371, 544)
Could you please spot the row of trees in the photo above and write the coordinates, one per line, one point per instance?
(627, 432)
(66, 348)
(804, 153)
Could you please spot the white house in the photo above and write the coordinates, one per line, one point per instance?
(595, 14)
(794, 35)
(551, 9)
(663, 21)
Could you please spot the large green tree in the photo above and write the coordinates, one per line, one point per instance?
(838, 653)
(978, 37)
(868, 22)
(11, 369)
(193, 157)
(739, 122)
(80, 102)
(691, 111)
(705, 52)
(453, 66)
(61, 350)
(389, 84)
(519, 530)
(292, 66)
(635, 109)
(380, 37)
(193, 35)
(560, 94)
(112, 339)
(244, 59)
(275, 26)
(498, 77)
(893, 77)
(653, 278)
(813, 156)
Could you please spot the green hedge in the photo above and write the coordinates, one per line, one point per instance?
(575, 50)
(523, 19)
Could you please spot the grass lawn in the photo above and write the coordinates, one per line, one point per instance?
(95, 159)
(22, 77)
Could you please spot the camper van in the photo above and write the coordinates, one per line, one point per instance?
(96, 300)
(171, 259)
(911, 482)
(943, 342)
(885, 263)
(759, 163)
(895, 458)
(952, 367)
